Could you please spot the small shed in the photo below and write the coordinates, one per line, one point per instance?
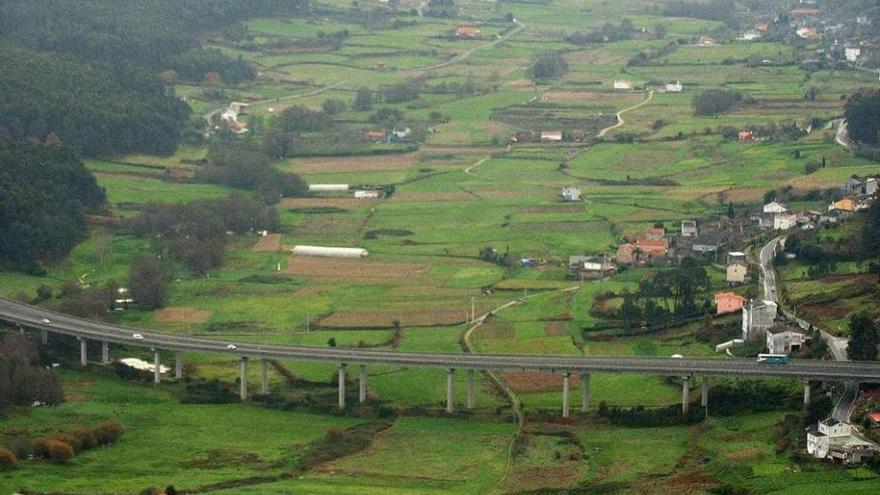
(330, 252)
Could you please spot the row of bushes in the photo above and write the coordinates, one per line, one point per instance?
(641, 417)
(59, 447)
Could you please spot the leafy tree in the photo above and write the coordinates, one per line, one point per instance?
(22, 379)
(363, 100)
(301, 119)
(549, 66)
(387, 117)
(863, 337)
(731, 213)
(871, 231)
(333, 106)
(715, 101)
(862, 113)
(147, 284)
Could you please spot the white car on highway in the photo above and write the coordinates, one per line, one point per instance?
(137, 336)
(232, 347)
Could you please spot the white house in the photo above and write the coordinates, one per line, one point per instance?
(689, 228)
(784, 221)
(750, 35)
(839, 441)
(623, 85)
(784, 341)
(571, 193)
(774, 207)
(674, 87)
(852, 54)
(331, 252)
(328, 187)
(758, 317)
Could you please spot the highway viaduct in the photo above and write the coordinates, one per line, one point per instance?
(44, 321)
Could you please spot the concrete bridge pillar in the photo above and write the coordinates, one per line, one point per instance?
(242, 380)
(704, 392)
(585, 392)
(470, 389)
(450, 396)
(264, 376)
(685, 393)
(178, 365)
(44, 336)
(341, 369)
(157, 367)
(105, 352)
(83, 353)
(806, 393)
(362, 384)
(566, 385)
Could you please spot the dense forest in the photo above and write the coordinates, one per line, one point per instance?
(89, 71)
(45, 192)
(94, 111)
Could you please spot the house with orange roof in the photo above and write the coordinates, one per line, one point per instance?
(728, 302)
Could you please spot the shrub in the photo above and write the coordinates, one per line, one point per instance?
(41, 447)
(7, 458)
(107, 432)
(85, 437)
(59, 451)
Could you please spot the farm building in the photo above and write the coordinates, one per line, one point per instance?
(784, 340)
(807, 33)
(626, 254)
(551, 136)
(852, 186)
(376, 136)
(328, 187)
(467, 32)
(331, 252)
(706, 41)
(758, 317)
(852, 54)
(623, 85)
(745, 136)
(774, 207)
(673, 87)
(571, 193)
(689, 228)
(736, 272)
(370, 194)
(652, 249)
(728, 302)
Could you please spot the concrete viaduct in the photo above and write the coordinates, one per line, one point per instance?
(44, 321)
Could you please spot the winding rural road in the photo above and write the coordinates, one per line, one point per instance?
(36, 318)
(620, 120)
(844, 408)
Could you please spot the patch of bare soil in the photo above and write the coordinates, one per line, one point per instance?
(355, 163)
(540, 477)
(387, 318)
(537, 382)
(556, 328)
(268, 244)
(347, 202)
(551, 209)
(351, 269)
(183, 315)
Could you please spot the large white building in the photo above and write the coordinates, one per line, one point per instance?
(758, 317)
(774, 207)
(784, 221)
(784, 341)
(838, 441)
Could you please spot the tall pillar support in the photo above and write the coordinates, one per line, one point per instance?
(362, 384)
(566, 385)
(178, 365)
(157, 367)
(704, 392)
(470, 389)
(264, 376)
(105, 352)
(806, 393)
(83, 353)
(450, 396)
(685, 394)
(242, 379)
(341, 369)
(585, 392)
(44, 336)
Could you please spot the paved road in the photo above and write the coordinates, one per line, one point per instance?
(837, 345)
(33, 317)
